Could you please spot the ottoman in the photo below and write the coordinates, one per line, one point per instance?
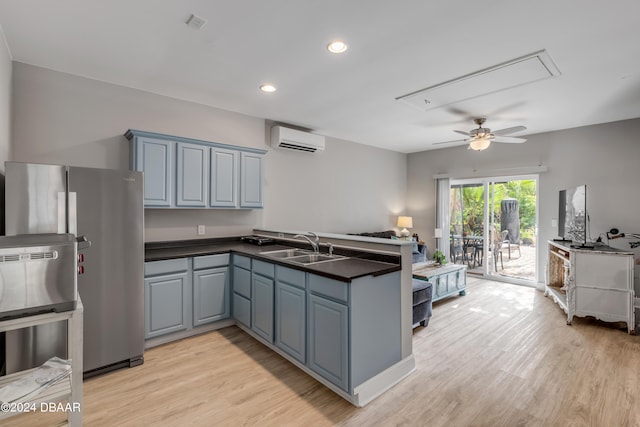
(422, 291)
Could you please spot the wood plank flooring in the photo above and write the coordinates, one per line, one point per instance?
(499, 356)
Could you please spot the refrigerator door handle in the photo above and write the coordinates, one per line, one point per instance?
(72, 214)
(83, 242)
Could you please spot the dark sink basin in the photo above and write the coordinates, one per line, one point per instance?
(301, 256)
(314, 258)
(286, 253)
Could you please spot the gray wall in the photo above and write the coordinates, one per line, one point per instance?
(61, 118)
(604, 157)
(346, 189)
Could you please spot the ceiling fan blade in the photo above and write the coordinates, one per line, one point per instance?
(509, 139)
(462, 132)
(509, 130)
(450, 142)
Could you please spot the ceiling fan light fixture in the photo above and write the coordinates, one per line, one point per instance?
(480, 144)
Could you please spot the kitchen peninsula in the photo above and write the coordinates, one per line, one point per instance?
(344, 320)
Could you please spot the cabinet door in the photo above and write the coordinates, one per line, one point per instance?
(210, 295)
(155, 158)
(251, 177)
(291, 316)
(242, 281)
(262, 306)
(242, 309)
(224, 178)
(328, 340)
(192, 175)
(167, 304)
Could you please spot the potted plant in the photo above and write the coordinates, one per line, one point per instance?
(439, 257)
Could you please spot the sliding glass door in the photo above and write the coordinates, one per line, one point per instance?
(493, 227)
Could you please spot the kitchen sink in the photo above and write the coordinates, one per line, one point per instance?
(301, 256)
(314, 258)
(286, 253)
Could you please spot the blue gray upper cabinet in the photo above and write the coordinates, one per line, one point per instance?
(189, 173)
(224, 178)
(192, 177)
(156, 158)
(251, 180)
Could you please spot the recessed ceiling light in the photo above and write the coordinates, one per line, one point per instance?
(337, 46)
(268, 88)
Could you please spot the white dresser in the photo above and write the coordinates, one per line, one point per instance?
(594, 282)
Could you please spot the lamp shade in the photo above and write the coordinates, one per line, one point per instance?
(480, 144)
(405, 222)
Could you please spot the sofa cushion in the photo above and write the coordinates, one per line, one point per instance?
(421, 291)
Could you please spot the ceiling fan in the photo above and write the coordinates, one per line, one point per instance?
(480, 138)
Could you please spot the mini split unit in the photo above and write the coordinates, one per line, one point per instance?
(292, 139)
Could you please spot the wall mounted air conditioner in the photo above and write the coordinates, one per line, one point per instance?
(292, 139)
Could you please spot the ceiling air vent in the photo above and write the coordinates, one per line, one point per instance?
(517, 72)
(292, 139)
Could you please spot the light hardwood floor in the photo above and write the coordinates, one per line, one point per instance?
(500, 356)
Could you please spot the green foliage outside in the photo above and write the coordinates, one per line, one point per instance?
(467, 206)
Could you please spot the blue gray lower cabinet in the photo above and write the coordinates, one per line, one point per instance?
(167, 292)
(329, 340)
(323, 325)
(167, 303)
(241, 279)
(210, 295)
(291, 312)
(184, 293)
(262, 306)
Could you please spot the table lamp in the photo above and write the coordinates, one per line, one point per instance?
(405, 222)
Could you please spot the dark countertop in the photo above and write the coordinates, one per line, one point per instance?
(359, 264)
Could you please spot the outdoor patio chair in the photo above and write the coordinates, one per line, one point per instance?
(507, 244)
(496, 248)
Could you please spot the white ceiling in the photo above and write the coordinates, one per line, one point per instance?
(395, 48)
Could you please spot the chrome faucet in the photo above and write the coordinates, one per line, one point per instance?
(314, 243)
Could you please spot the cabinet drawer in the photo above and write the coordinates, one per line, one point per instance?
(242, 310)
(242, 261)
(603, 304)
(153, 268)
(290, 276)
(263, 268)
(210, 261)
(242, 281)
(328, 287)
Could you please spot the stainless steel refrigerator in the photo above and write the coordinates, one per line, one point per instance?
(106, 206)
